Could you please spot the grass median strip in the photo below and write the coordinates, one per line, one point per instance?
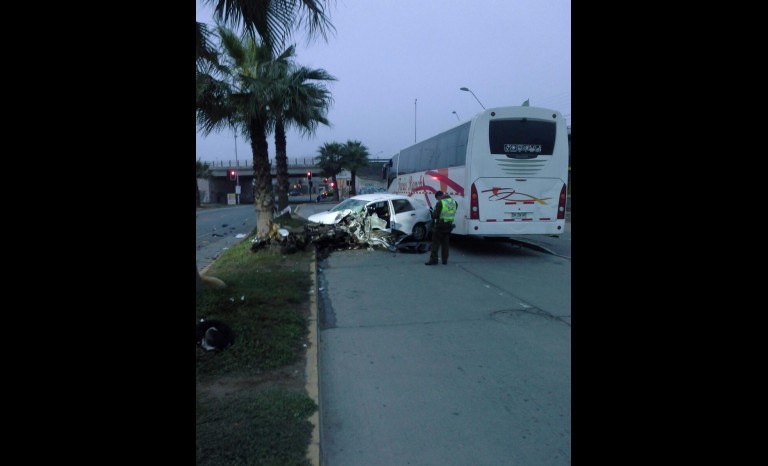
(252, 406)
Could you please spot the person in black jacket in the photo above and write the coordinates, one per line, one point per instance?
(443, 216)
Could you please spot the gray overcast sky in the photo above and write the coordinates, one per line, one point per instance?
(400, 64)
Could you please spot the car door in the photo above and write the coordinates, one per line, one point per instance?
(403, 215)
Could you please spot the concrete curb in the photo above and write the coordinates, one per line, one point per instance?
(311, 371)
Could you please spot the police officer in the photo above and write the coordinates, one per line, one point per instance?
(442, 225)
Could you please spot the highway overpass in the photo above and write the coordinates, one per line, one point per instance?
(220, 185)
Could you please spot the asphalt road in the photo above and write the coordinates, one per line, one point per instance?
(468, 363)
(218, 228)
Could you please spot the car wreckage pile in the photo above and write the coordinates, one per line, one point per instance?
(355, 231)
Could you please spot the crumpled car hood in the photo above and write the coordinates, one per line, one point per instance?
(328, 217)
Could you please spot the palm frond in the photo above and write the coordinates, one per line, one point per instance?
(274, 21)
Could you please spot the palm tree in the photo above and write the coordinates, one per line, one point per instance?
(355, 156)
(269, 19)
(329, 159)
(245, 107)
(302, 104)
(274, 21)
(205, 51)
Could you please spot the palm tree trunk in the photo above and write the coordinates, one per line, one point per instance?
(263, 198)
(281, 158)
(335, 188)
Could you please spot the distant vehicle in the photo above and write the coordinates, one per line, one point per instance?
(507, 168)
(295, 192)
(385, 211)
(324, 194)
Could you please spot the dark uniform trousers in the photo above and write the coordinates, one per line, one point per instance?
(441, 233)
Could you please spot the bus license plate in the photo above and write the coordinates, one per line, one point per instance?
(516, 215)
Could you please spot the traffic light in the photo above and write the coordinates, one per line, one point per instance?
(331, 184)
(309, 175)
(233, 175)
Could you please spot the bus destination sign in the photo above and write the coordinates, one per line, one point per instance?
(522, 151)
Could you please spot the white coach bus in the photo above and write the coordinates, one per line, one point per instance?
(507, 167)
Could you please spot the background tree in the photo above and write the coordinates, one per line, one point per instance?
(329, 159)
(354, 157)
(203, 171)
(302, 102)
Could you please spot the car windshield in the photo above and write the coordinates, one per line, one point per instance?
(355, 205)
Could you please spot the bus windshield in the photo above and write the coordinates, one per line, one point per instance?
(521, 138)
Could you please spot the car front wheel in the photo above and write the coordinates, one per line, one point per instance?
(419, 232)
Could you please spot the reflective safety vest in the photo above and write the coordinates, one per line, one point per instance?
(448, 211)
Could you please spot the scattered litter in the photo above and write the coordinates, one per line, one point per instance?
(286, 211)
(240, 235)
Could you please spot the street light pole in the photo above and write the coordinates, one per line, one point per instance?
(473, 95)
(237, 174)
(457, 115)
(414, 119)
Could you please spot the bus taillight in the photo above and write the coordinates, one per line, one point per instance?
(561, 204)
(474, 207)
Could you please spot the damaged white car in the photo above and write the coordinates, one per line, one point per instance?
(379, 219)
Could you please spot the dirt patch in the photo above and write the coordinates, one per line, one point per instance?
(292, 378)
